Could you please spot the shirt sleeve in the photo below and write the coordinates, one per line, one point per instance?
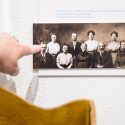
(58, 48)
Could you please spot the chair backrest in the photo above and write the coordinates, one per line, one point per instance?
(16, 111)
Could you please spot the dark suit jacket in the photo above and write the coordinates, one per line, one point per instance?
(77, 49)
(43, 62)
(105, 59)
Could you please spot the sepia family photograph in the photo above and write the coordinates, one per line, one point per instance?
(79, 45)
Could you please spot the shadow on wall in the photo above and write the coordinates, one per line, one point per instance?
(32, 89)
(9, 84)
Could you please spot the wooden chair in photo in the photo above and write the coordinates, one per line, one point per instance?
(16, 111)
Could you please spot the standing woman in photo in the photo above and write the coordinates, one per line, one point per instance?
(53, 48)
(113, 47)
(92, 45)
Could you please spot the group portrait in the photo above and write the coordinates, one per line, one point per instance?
(79, 45)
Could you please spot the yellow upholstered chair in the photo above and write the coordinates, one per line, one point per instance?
(16, 111)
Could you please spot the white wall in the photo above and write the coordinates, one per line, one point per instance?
(23, 13)
(107, 92)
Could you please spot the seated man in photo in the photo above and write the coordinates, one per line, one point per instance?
(43, 59)
(64, 59)
(103, 58)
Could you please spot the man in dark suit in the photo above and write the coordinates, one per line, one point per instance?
(43, 59)
(103, 58)
(74, 48)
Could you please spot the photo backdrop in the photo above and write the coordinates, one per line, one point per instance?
(41, 32)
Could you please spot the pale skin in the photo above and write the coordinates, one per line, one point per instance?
(11, 50)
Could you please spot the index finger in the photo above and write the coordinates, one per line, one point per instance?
(29, 50)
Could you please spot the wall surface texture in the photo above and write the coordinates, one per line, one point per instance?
(106, 92)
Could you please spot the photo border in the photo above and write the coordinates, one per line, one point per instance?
(82, 72)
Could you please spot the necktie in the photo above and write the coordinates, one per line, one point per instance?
(44, 57)
(74, 45)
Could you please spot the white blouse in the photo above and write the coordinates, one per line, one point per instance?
(92, 45)
(53, 47)
(113, 46)
(64, 59)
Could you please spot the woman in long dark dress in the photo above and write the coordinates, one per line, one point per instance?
(84, 58)
(120, 59)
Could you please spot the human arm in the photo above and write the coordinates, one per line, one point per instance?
(71, 63)
(11, 50)
(58, 62)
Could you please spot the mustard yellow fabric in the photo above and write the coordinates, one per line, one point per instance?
(16, 111)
